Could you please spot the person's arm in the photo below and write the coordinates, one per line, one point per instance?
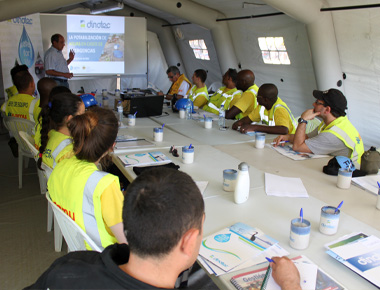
(71, 57)
(55, 73)
(231, 113)
(118, 232)
(265, 129)
(183, 89)
(278, 139)
(285, 273)
(240, 123)
(300, 135)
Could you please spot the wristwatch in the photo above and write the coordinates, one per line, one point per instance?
(300, 121)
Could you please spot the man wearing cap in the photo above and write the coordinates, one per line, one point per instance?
(335, 135)
(56, 66)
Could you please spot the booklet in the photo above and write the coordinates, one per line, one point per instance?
(312, 278)
(360, 253)
(288, 151)
(235, 245)
(144, 159)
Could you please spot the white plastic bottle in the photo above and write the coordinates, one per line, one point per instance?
(120, 111)
(242, 184)
(189, 110)
(222, 119)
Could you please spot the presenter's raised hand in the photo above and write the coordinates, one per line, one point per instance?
(71, 54)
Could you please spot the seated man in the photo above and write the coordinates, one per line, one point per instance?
(272, 111)
(198, 93)
(181, 85)
(163, 221)
(23, 105)
(226, 95)
(12, 91)
(247, 102)
(335, 135)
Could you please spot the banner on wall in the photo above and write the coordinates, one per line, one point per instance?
(21, 43)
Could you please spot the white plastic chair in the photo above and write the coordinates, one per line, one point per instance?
(15, 125)
(43, 178)
(74, 236)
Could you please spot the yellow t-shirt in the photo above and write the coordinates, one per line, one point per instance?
(247, 102)
(199, 96)
(112, 206)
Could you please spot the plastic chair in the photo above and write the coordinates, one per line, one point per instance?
(74, 236)
(43, 178)
(15, 125)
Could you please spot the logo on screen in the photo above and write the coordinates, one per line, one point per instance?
(82, 24)
(100, 25)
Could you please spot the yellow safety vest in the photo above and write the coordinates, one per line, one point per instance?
(22, 106)
(267, 117)
(346, 132)
(175, 86)
(252, 90)
(219, 98)
(58, 146)
(11, 91)
(76, 187)
(196, 92)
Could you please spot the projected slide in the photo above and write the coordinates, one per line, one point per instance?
(98, 43)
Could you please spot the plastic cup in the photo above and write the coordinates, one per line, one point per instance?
(182, 113)
(104, 93)
(260, 140)
(329, 221)
(208, 122)
(344, 178)
(229, 179)
(105, 102)
(299, 234)
(187, 155)
(158, 134)
(131, 120)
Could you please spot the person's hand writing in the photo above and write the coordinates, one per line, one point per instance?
(280, 138)
(285, 273)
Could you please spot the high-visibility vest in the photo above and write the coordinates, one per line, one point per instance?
(176, 85)
(253, 90)
(58, 145)
(346, 132)
(195, 92)
(76, 187)
(219, 98)
(22, 106)
(267, 117)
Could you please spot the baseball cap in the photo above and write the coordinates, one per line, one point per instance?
(333, 98)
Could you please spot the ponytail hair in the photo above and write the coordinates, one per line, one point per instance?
(53, 116)
(93, 133)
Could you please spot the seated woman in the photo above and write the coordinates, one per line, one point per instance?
(92, 198)
(56, 143)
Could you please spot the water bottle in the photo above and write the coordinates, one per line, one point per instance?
(120, 111)
(241, 193)
(189, 110)
(222, 119)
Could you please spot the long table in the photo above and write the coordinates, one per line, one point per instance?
(271, 214)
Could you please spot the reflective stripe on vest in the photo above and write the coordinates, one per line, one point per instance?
(31, 109)
(254, 92)
(89, 217)
(265, 118)
(347, 139)
(193, 97)
(59, 148)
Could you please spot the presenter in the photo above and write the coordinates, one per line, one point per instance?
(56, 66)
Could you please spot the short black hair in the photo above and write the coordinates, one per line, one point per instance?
(160, 206)
(232, 73)
(55, 38)
(269, 91)
(22, 79)
(173, 69)
(202, 74)
(18, 68)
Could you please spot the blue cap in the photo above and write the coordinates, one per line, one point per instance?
(88, 100)
(345, 163)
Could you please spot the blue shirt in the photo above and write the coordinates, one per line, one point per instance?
(54, 60)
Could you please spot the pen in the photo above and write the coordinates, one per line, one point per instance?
(281, 142)
(191, 145)
(301, 215)
(339, 206)
(270, 260)
(135, 113)
(163, 125)
(378, 184)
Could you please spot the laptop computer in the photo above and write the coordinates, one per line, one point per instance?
(144, 104)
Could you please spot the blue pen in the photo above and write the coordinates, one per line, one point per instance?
(301, 215)
(163, 125)
(270, 260)
(378, 184)
(135, 113)
(339, 206)
(190, 146)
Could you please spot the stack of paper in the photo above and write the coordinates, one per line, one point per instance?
(360, 253)
(288, 151)
(237, 247)
(284, 186)
(368, 182)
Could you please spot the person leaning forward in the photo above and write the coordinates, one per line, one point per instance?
(271, 111)
(180, 84)
(335, 135)
(155, 256)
